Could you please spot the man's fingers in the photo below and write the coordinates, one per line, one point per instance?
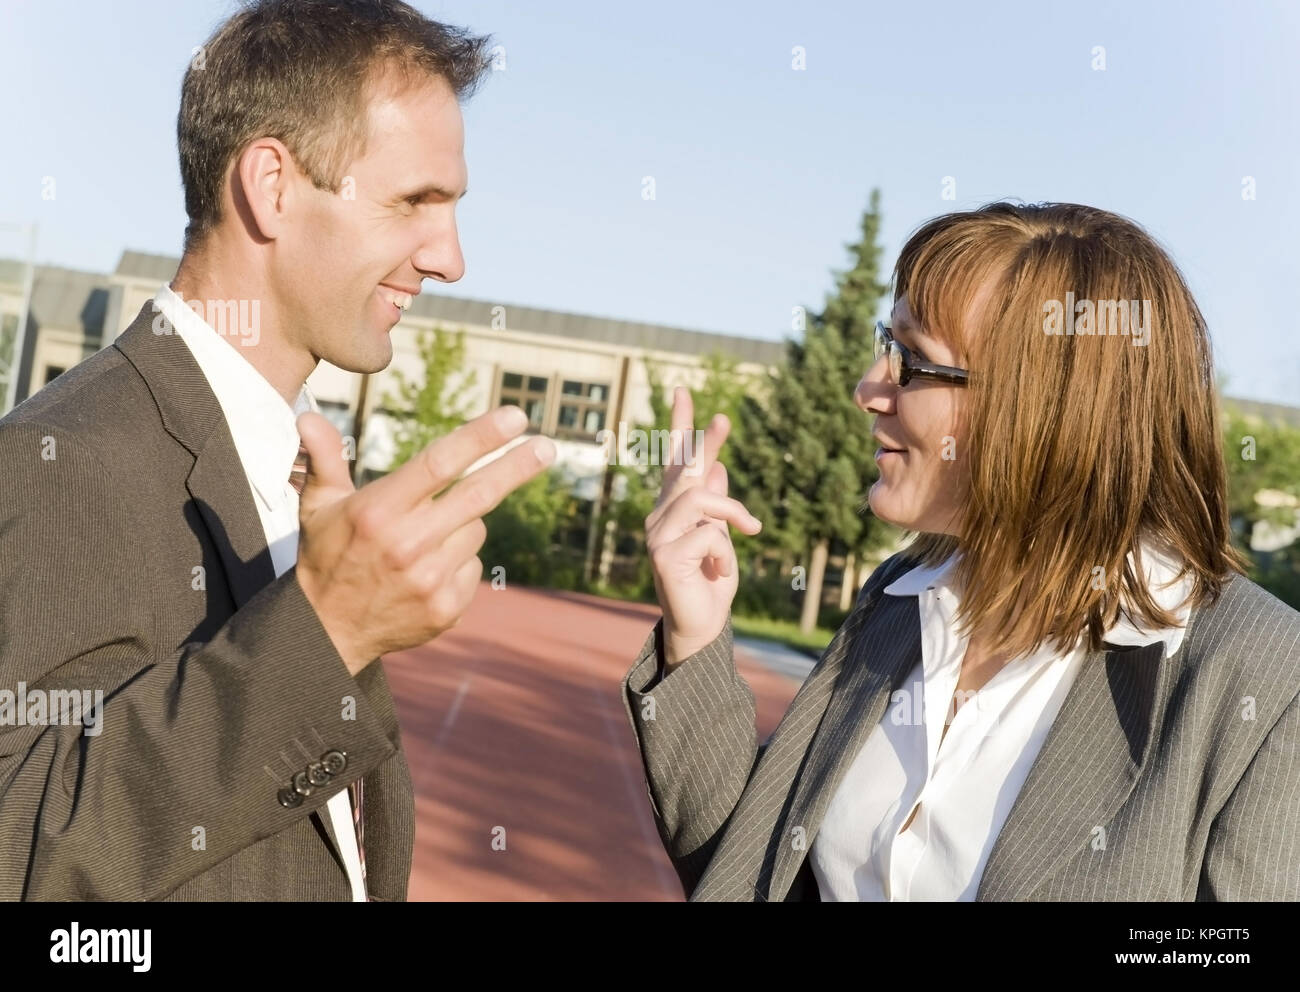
(442, 462)
(683, 417)
(481, 491)
(437, 563)
(327, 468)
(716, 480)
(454, 591)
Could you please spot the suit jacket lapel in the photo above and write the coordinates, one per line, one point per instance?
(1089, 763)
(191, 414)
(872, 667)
(222, 494)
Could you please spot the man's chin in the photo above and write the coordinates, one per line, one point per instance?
(364, 363)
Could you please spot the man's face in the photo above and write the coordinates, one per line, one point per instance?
(393, 224)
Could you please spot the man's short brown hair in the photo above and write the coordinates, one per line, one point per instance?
(301, 71)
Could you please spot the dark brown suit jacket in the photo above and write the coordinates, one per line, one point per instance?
(133, 560)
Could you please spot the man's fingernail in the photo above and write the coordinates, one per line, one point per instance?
(511, 418)
(544, 449)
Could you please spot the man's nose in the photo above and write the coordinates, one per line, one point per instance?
(440, 256)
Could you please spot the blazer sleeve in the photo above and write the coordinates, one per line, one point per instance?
(183, 764)
(696, 734)
(1253, 852)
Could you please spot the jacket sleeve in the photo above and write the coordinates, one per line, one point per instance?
(1253, 852)
(183, 763)
(696, 734)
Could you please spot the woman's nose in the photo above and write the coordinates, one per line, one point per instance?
(859, 397)
(873, 390)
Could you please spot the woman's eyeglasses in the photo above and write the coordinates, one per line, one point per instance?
(903, 367)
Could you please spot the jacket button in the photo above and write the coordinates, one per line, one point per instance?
(301, 785)
(334, 761)
(289, 799)
(317, 773)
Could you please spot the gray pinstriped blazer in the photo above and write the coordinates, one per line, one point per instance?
(1156, 781)
(207, 686)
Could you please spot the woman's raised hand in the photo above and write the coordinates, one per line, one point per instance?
(691, 555)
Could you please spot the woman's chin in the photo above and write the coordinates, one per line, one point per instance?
(878, 498)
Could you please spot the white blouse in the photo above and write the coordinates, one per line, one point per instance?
(962, 791)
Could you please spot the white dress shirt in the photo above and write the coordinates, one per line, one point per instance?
(265, 432)
(962, 789)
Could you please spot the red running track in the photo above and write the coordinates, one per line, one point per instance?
(515, 731)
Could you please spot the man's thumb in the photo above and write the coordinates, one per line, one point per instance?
(327, 462)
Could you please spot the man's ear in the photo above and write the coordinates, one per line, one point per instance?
(264, 181)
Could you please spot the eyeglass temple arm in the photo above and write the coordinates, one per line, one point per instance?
(947, 372)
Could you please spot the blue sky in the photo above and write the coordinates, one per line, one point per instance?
(761, 171)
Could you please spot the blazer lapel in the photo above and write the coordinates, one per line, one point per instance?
(1089, 763)
(217, 483)
(221, 492)
(872, 667)
(191, 414)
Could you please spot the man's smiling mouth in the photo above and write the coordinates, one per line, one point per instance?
(400, 300)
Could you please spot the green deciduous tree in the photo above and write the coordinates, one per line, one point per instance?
(807, 463)
(521, 534)
(1263, 457)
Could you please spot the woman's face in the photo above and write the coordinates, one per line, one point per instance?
(922, 482)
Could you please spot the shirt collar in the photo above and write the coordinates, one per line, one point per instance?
(1169, 592)
(262, 425)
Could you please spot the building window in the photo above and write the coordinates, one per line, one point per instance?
(528, 392)
(583, 406)
(52, 372)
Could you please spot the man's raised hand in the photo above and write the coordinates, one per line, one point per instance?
(394, 564)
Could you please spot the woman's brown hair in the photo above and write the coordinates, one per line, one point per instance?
(1080, 445)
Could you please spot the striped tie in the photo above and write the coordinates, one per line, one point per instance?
(298, 479)
(298, 474)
